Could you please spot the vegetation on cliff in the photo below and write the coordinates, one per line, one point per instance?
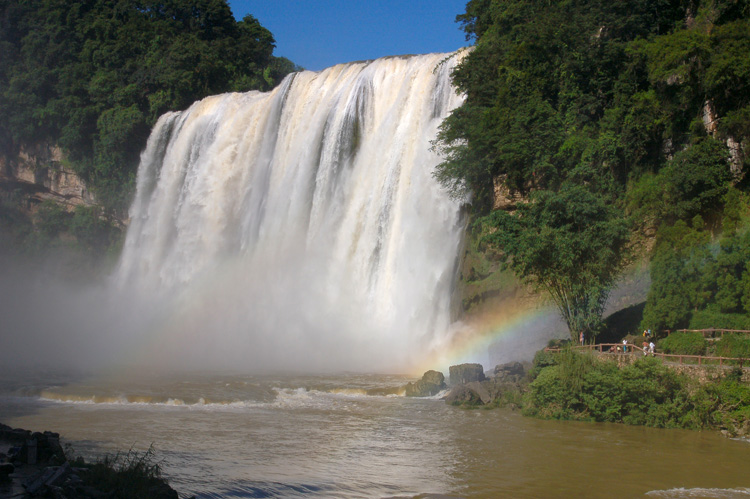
(77, 245)
(699, 283)
(611, 115)
(94, 76)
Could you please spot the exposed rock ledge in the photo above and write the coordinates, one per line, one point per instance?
(39, 173)
(35, 465)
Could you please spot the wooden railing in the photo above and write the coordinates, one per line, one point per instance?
(612, 348)
(708, 333)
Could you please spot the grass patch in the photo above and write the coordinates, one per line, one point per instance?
(129, 475)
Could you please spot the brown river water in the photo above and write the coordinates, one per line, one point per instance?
(350, 436)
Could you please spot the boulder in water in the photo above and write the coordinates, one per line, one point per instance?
(472, 393)
(466, 373)
(430, 384)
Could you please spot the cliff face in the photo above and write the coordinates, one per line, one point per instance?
(38, 173)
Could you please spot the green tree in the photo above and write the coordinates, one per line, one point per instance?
(94, 76)
(51, 219)
(636, 102)
(697, 283)
(91, 229)
(676, 268)
(570, 244)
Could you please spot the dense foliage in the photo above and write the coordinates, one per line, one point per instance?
(93, 76)
(572, 385)
(733, 346)
(697, 284)
(685, 343)
(567, 243)
(642, 105)
(729, 345)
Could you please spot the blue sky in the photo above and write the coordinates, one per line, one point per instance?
(317, 34)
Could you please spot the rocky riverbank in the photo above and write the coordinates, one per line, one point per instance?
(469, 385)
(35, 465)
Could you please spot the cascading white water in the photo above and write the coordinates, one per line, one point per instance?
(301, 228)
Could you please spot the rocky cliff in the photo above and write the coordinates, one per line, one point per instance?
(38, 173)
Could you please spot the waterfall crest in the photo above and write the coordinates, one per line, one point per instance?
(303, 225)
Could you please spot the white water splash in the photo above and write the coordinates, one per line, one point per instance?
(301, 228)
(703, 493)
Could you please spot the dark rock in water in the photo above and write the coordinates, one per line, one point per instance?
(430, 384)
(5, 470)
(41, 448)
(13, 434)
(162, 491)
(505, 389)
(92, 493)
(46, 478)
(473, 393)
(41, 478)
(466, 373)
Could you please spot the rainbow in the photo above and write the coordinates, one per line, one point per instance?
(512, 325)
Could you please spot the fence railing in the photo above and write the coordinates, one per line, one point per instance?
(629, 349)
(708, 333)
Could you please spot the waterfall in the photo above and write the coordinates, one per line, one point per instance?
(300, 227)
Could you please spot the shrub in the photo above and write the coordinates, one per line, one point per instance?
(684, 343)
(547, 397)
(654, 395)
(91, 230)
(51, 219)
(574, 367)
(565, 389)
(647, 392)
(603, 393)
(542, 359)
(581, 387)
(131, 475)
(707, 319)
(733, 345)
(724, 405)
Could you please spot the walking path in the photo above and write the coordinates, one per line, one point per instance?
(635, 350)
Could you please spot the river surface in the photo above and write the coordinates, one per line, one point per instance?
(355, 436)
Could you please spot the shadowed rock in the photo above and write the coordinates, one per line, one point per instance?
(430, 384)
(511, 372)
(466, 373)
(472, 393)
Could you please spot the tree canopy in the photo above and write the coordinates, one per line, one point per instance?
(639, 106)
(568, 243)
(93, 76)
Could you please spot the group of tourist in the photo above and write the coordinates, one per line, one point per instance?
(648, 343)
(648, 347)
